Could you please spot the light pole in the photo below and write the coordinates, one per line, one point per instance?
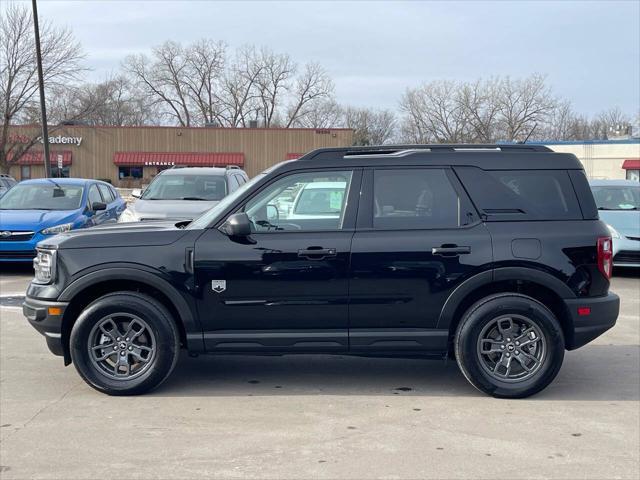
(43, 107)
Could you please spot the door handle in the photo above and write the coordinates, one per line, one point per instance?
(450, 250)
(313, 253)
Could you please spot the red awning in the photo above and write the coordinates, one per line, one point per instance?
(631, 164)
(293, 156)
(173, 158)
(36, 157)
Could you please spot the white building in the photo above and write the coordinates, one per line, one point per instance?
(604, 159)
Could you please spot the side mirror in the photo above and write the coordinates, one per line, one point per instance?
(136, 192)
(97, 206)
(237, 225)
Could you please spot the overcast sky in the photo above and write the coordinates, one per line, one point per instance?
(590, 51)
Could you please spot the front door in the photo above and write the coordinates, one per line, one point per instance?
(284, 288)
(418, 238)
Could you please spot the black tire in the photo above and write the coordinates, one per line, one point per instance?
(162, 331)
(486, 313)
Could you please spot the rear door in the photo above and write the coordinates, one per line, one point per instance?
(418, 237)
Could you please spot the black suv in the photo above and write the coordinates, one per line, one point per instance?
(493, 254)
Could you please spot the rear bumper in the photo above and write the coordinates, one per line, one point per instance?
(48, 324)
(603, 315)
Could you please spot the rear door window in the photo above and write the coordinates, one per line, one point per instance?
(106, 193)
(414, 199)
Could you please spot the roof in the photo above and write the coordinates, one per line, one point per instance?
(205, 159)
(489, 157)
(62, 181)
(197, 171)
(614, 183)
(633, 140)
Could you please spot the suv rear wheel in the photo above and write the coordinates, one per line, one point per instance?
(124, 343)
(509, 345)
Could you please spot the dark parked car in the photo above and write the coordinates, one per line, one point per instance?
(491, 254)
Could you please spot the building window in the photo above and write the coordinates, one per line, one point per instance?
(633, 175)
(25, 172)
(59, 173)
(129, 172)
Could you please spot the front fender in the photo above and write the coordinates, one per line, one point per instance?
(183, 304)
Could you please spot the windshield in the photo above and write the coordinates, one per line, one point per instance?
(209, 216)
(42, 197)
(617, 197)
(186, 187)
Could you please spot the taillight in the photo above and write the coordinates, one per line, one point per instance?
(605, 256)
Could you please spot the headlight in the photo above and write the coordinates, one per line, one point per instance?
(613, 231)
(44, 266)
(128, 216)
(65, 227)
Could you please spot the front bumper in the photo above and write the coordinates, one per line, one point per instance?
(46, 317)
(603, 315)
(20, 251)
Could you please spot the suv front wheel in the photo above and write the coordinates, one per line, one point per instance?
(509, 345)
(124, 343)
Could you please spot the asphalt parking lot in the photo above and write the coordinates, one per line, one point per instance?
(319, 417)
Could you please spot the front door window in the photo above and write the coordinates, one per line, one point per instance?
(303, 201)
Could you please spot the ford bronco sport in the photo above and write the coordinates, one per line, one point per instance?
(492, 254)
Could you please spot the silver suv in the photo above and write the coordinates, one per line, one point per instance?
(183, 193)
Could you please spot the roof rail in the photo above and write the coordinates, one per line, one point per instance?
(229, 167)
(400, 150)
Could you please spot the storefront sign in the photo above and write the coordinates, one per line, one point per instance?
(158, 164)
(55, 140)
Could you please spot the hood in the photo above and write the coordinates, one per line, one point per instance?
(117, 235)
(35, 220)
(626, 222)
(188, 209)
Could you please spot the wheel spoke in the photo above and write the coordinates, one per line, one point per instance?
(505, 327)
(123, 361)
(113, 333)
(503, 362)
(494, 346)
(138, 353)
(132, 333)
(106, 354)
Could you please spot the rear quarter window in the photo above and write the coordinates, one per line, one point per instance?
(521, 194)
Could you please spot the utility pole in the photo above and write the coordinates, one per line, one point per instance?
(43, 107)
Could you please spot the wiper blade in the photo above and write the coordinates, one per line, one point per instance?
(194, 198)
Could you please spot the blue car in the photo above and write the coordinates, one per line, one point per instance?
(36, 209)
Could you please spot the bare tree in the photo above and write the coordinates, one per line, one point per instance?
(325, 114)
(205, 61)
(311, 87)
(273, 84)
(434, 113)
(162, 77)
(523, 103)
(61, 62)
(478, 103)
(371, 127)
(239, 88)
(612, 122)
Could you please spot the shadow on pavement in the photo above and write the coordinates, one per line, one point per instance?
(596, 373)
